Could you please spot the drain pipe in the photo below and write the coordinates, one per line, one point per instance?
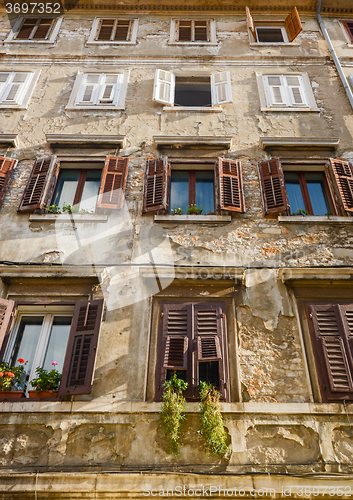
(346, 86)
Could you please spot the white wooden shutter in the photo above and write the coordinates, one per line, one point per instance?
(110, 89)
(275, 90)
(164, 87)
(89, 89)
(13, 87)
(296, 91)
(221, 90)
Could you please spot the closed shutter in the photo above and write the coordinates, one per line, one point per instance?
(40, 185)
(333, 349)
(156, 185)
(275, 91)
(343, 174)
(349, 27)
(164, 87)
(105, 29)
(185, 31)
(6, 169)
(89, 89)
(250, 21)
(296, 91)
(43, 29)
(293, 25)
(81, 349)
(231, 193)
(221, 91)
(110, 89)
(113, 183)
(201, 31)
(273, 189)
(6, 314)
(27, 28)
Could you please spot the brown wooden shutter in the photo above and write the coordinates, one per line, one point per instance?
(293, 25)
(40, 185)
(343, 174)
(273, 189)
(113, 183)
(156, 186)
(81, 349)
(43, 29)
(105, 29)
(251, 24)
(332, 349)
(7, 308)
(231, 192)
(349, 27)
(6, 169)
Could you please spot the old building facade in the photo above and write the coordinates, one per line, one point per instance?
(116, 119)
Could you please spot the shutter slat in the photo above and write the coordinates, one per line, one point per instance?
(43, 30)
(343, 174)
(157, 175)
(231, 191)
(293, 25)
(7, 166)
(273, 190)
(39, 186)
(113, 183)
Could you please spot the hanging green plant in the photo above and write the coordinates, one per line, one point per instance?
(172, 412)
(213, 430)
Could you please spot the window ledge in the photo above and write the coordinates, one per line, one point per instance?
(290, 109)
(273, 44)
(198, 219)
(315, 219)
(46, 42)
(77, 218)
(193, 43)
(94, 107)
(99, 42)
(203, 109)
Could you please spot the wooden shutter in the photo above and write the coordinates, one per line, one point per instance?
(81, 349)
(221, 90)
(105, 29)
(156, 185)
(185, 30)
(332, 341)
(6, 169)
(250, 22)
(40, 185)
(273, 189)
(343, 174)
(201, 31)
(230, 182)
(7, 308)
(113, 183)
(349, 27)
(43, 29)
(164, 87)
(275, 90)
(293, 25)
(296, 91)
(26, 29)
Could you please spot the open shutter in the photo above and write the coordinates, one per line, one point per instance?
(343, 174)
(274, 90)
(157, 179)
(230, 180)
(332, 351)
(293, 25)
(296, 90)
(81, 349)
(221, 88)
(113, 183)
(6, 314)
(164, 87)
(273, 189)
(6, 168)
(39, 186)
(16, 87)
(250, 22)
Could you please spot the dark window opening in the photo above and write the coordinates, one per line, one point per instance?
(308, 191)
(192, 187)
(192, 92)
(269, 35)
(35, 29)
(209, 372)
(182, 374)
(193, 31)
(114, 30)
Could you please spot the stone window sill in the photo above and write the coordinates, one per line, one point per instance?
(291, 109)
(199, 109)
(194, 219)
(315, 219)
(76, 218)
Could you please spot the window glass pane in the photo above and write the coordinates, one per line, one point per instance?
(205, 191)
(179, 190)
(269, 35)
(66, 191)
(90, 191)
(294, 192)
(26, 341)
(317, 192)
(58, 338)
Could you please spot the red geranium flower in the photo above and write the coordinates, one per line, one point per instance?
(21, 360)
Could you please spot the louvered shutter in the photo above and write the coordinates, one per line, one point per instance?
(273, 189)
(81, 349)
(105, 29)
(43, 29)
(89, 89)
(113, 183)
(343, 174)
(6, 169)
(332, 351)
(293, 25)
(275, 90)
(164, 87)
(230, 182)
(200, 33)
(122, 30)
(6, 314)
(26, 29)
(296, 91)
(221, 91)
(40, 185)
(110, 89)
(250, 22)
(16, 87)
(156, 185)
(185, 31)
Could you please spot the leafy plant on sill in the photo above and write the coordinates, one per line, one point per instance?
(300, 212)
(177, 211)
(213, 430)
(172, 415)
(328, 213)
(55, 209)
(12, 376)
(47, 380)
(194, 209)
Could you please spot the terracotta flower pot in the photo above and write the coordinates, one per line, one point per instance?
(10, 394)
(42, 394)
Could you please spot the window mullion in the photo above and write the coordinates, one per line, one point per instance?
(80, 186)
(305, 192)
(192, 188)
(192, 30)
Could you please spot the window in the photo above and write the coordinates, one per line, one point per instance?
(16, 88)
(99, 90)
(114, 31)
(348, 25)
(43, 334)
(215, 186)
(192, 91)
(286, 92)
(313, 188)
(35, 29)
(7, 166)
(195, 31)
(268, 33)
(82, 184)
(192, 342)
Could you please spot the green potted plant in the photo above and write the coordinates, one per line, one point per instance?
(194, 210)
(176, 211)
(46, 384)
(12, 378)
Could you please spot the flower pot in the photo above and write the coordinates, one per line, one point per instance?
(10, 394)
(42, 394)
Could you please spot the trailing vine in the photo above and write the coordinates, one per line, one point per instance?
(172, 415)
(213, 430)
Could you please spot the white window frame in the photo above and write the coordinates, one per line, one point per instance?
(273, 26)
(174, 35)
(95, 103)
(267, 103)
(49, 312)
(218, 95)
(94, 32)
(24, 93)
(17, 26)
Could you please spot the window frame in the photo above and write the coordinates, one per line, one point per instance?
(25, 92)
(273, 26)
(53, 32)
(174, 31)
(346, 31)
(132, 32)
